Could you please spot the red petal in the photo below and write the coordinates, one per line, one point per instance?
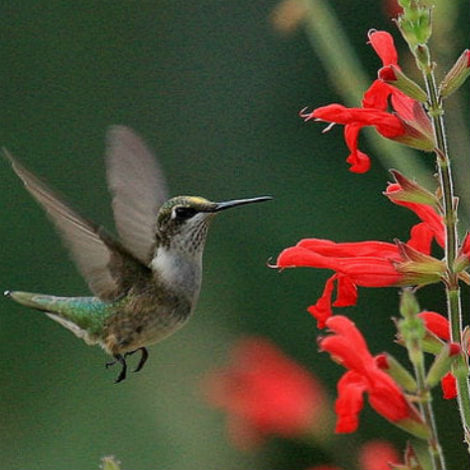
(297, 256)
(372, 248)
(346, 292)
(369, 271)
(349, 402)
(436, 324)
(383, 45)
(377, 96)
(359, 161)
(322, 309)
(449, 386)
(421, 237)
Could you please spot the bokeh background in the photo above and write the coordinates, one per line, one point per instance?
(215, 89)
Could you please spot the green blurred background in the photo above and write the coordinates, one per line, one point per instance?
(215, 90)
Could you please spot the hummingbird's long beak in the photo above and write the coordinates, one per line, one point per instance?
(220, 206)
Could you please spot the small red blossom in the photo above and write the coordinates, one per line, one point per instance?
(347, 346)
(371, 263)
(378, 455)
(408, 123)
(449, 386)
(264, 392)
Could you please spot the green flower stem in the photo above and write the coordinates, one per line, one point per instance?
(460, 367)
(425, 404)
(347, 76)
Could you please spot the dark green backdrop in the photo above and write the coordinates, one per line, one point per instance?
(216, 93)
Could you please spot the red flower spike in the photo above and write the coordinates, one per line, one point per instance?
(377, 455)
(408, 123)
(347, 346)
(265, 393)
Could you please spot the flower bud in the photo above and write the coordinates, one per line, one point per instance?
(442, 364)
(415, 24)
(392, 75)
(409, 306)
(409, 191)
(423, 57)
(392, 367)
(456, 76)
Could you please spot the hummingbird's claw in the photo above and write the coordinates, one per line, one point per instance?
(143, 358)
(122, 375)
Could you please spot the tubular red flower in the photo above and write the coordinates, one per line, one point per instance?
(408, 123)
(347, 346)
(365, 264)
(264, 392)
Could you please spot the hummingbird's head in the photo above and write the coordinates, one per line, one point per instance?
(182, 221)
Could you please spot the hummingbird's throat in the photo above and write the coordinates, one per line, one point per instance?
(178, 270)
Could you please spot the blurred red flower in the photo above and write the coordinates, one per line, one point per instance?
(347, 346)
(264, 392)
(407, 123)
(377, 455)
(369, 263)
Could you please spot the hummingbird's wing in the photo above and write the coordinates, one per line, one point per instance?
(102, 261)
(138, 188)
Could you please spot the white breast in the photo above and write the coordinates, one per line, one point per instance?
(178, 269)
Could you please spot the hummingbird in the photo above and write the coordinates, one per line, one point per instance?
(145, 284)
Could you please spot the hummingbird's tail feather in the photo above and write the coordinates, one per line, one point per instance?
(83, 316)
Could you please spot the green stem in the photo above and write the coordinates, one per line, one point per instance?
(425, 404)
(460, 367)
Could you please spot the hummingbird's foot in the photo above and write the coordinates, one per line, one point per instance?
(122, 375)
(143, 358)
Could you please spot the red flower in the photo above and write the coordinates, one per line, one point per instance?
(378, 455)
(265, 392)
(348, 347)
(370, 263)
(408, 123)
(367, 264)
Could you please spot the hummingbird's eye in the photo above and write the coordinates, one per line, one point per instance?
(184, 212)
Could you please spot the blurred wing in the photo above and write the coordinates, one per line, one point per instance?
(138, 189)
(92, 255)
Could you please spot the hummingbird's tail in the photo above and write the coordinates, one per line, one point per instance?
(37, 301)
(83, 316)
